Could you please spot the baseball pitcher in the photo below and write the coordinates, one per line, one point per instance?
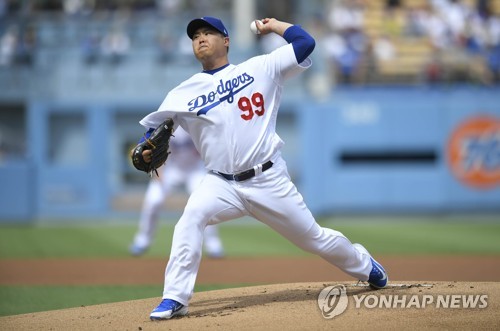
(230, 112)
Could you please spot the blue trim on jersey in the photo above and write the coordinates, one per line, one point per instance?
(213, 71)
(302, 42)
(146, 135)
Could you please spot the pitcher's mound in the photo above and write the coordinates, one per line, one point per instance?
(349, 306)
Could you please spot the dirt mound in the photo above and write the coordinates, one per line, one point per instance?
(293, 306)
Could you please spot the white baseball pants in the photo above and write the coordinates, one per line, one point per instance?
(271, 198)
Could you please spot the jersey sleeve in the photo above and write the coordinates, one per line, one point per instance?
(176, 103)
(303, 43)
(281, 64)
(154, 119)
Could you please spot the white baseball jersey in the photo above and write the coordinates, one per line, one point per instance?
(231, 115)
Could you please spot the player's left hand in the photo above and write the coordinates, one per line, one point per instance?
(147, 155)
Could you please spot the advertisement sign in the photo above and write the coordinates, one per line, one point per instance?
(474, 152)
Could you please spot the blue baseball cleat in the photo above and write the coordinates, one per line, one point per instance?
(136, 250)
(378, 276)
(167, 309)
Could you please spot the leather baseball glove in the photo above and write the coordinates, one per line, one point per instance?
(158, 142)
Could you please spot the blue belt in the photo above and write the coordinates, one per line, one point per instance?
(245, 175)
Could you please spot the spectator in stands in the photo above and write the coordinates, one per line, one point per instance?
(347, 43)
(115, 45)
(368, 69)
(493, 29)
(384, 49)
(91, 48)
(475, 35)
(415, 22)
(78, 7)
(454, 13)
(345, 15)
(393, 4)
(72, 7)
(433, 69)
(8, 46)
(350, 60)
(436, 28)
(493, 62)
(343, 58)
(26, 47)
(493, 47)
(483, 7)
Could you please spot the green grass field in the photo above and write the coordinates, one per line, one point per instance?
(405, 236)
(409, 236)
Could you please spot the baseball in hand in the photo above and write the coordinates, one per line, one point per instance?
(253, 26)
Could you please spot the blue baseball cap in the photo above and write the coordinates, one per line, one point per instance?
(206, 21)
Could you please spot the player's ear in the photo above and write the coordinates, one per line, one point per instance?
(226, 43)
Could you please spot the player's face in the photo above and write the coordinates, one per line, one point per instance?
(209, 44)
